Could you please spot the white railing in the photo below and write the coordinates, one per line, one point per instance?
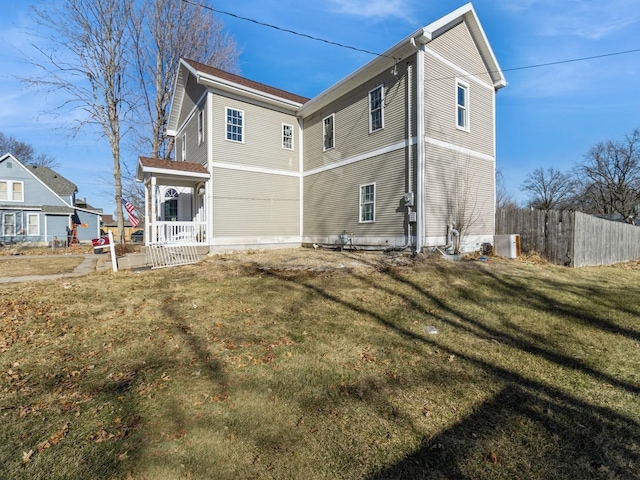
(180, 232)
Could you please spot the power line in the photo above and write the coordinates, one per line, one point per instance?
(572, 60)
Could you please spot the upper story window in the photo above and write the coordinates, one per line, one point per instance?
(368, 203)
(462, 105)
(376, 109)
(184, 147)
(287, 136)
(235, 124)
(200, 127)
(328, 130)
(11, 191)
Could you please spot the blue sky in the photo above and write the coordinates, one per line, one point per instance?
(546, 117)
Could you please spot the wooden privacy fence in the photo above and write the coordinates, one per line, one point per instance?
(571, 238)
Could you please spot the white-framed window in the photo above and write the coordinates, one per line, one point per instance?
(171, 205)
(184, 147)
(287, 136)
(11, 191)
(376, 109)
(328, 132)
(200, 127)
(462, 105)
(235, 124)
(368, 203)
(33, 224)
(8, 224)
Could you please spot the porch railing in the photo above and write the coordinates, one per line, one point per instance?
(180, 232)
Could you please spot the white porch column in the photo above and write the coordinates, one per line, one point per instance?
(154, 217)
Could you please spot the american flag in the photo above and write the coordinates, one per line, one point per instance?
(132, 216)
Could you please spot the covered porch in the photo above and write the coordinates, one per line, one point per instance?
(176, 209)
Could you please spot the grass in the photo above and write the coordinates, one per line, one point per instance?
(24, 266)
(230, 370)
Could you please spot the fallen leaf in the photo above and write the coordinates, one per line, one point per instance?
(26, 456)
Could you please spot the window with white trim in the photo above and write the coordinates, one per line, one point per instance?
(184, 147)
(462, 105)
(287, 136)
(368, 203)
(376, 109)
(11, 191)
(33, 224)
(200, 127)
(235, 124)
(328, 132)
(171, 205)
(8, 224)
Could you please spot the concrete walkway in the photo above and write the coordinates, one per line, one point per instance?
(87, 266)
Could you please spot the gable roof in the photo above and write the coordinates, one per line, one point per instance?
(53, 180)
(161, 166)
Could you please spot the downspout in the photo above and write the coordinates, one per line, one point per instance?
(208, 205)
(419, 43)
(301, 173)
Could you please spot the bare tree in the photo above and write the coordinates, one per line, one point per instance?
(548, 189)
(504, 200)
(165, 31)
(610, 177)
(25, 152)
(87, 58)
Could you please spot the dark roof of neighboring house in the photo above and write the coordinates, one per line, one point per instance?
(82, 203)
(172, 165)
(216, 72)
(53, 180)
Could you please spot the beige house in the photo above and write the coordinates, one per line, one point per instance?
(399, 154)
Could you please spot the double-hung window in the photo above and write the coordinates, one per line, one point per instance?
(368, 203)
(287, 136)
(33, 224)
(462, 105)
(328, 131)
(11, 191)
(8, 224)
(235, 124)
(376, 109)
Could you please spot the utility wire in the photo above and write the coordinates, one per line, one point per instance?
(330, 42)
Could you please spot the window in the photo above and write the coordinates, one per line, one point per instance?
(8, 224)
(367, 203)
(328, 132)
(33, 224)
(376, 109)
(200, 127)
(11, 191)
(171, 205)
(462, 105)
(184, 147)
(235, 125)
(287, 136)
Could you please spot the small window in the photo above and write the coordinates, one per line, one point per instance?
(33, 224)
(367, 203)
(462, 105)
(235, 125)
(200, 127)
(184, 147)
(8, 224)
(11, 191)
(376, 109)
(287, 136)
(328, 132)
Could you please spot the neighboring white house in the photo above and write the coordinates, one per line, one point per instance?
(397, 155)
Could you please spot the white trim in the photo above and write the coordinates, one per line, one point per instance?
(176, 173)
(459, 149)
(459, 70)
(192, 112)
(201, 135)
(333, 132)
(209, 184)
(466, 127)
(381, 88)
(29, 234)
(300, 172)
(360, 220)
(291, 137)
(183, 148)
(363, 156)
(2, 224)
(248, 168)
(10, 184)
(226, 125)
(420, 174)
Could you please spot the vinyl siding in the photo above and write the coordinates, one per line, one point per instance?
(262, 133)
(453, 181)
(458, 47)
(193, 93)
(35, 193)
(352, 135)
(255, 204)
(332, 198)
(196, 153)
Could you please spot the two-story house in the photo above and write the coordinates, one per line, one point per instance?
(399, 154)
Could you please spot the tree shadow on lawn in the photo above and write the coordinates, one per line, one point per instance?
(529, 429)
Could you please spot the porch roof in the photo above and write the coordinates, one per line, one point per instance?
(170, 169)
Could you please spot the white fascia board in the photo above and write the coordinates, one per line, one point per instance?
(176, 99)
(250, 168)
(175, 173)
(216, 82)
